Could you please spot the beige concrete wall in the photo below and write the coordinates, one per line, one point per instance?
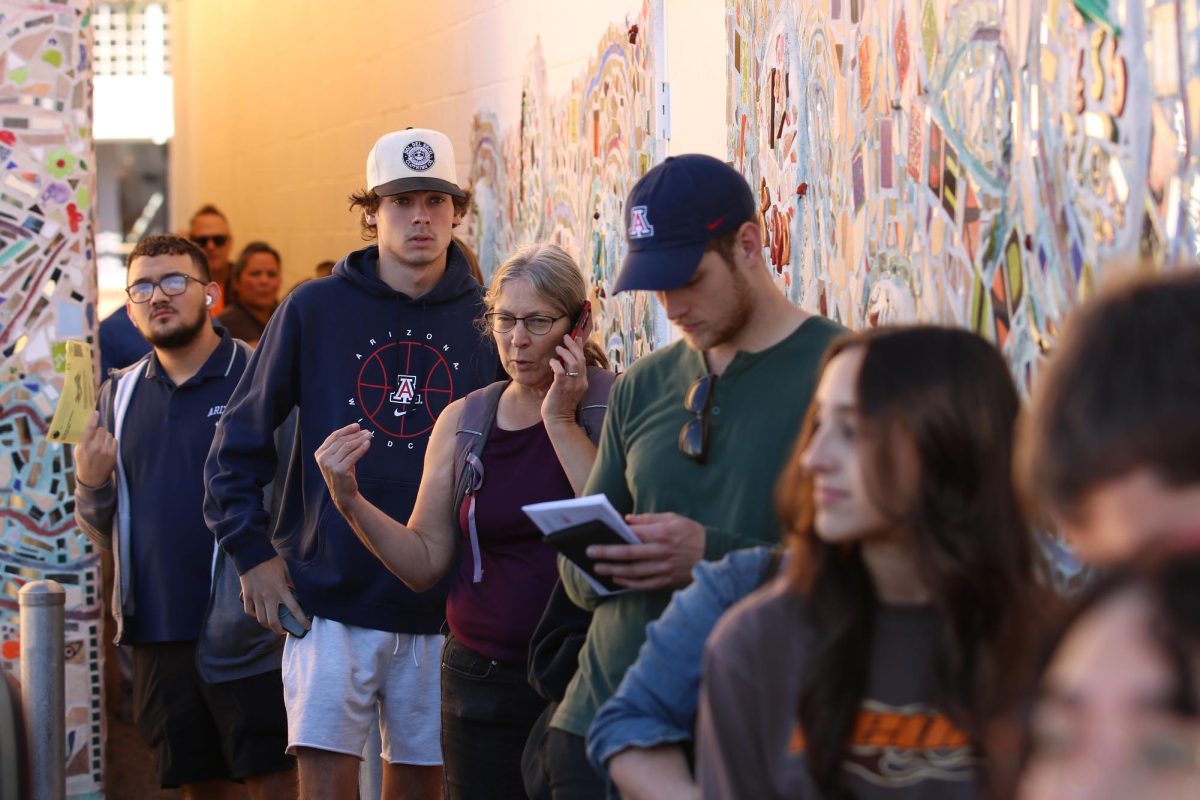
(278, 101)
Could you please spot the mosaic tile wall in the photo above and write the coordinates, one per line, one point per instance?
(562, 173)
(47, 295)
(967, 161)
(973, 162)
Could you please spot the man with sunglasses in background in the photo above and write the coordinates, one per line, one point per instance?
(208, 691)
(697, 431)
(209, 229)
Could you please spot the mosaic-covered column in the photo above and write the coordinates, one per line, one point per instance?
(47, 295)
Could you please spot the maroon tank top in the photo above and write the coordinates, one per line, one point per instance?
(493, 610)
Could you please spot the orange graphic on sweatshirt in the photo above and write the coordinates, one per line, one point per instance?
(896, 747)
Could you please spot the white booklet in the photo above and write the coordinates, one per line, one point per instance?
(571, 526)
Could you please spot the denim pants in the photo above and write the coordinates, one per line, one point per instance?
(488, 709)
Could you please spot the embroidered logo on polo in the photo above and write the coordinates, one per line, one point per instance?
(897, 746)
(639, 223)
(404, 383)
(418, 156)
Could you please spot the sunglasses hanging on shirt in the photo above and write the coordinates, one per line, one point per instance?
(693, 437)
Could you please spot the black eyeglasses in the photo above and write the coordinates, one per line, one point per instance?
(537, 324)
(693, 436)
(218, 240)
(172, 284)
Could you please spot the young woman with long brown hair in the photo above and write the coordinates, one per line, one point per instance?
(872, 668)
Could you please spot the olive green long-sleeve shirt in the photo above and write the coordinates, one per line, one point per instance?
(758, 405)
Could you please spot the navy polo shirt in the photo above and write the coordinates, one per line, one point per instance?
(164, 443)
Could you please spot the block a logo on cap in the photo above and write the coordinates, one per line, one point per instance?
(639, 224)
(418, 156)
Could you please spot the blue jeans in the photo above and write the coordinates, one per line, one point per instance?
(488, 709)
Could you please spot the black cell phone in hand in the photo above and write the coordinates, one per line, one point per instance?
(290, 623)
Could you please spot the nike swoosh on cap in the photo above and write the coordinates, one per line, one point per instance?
(712, 226)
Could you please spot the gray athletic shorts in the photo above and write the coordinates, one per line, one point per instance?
(338, 677)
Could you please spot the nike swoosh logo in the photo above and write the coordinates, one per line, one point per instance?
(399, 413)
(712, 226)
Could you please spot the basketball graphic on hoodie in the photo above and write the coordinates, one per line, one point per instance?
(403, 387)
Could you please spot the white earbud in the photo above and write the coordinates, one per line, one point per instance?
(208, 300)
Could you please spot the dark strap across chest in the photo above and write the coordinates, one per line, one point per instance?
(478, 417)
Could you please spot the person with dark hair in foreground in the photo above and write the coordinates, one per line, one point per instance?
(1110, 452)
(874, 665)
(1117, 713)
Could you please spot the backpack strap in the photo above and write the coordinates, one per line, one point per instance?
(478, 416)
(479, 413)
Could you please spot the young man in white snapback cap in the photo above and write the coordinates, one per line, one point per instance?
(385, 343)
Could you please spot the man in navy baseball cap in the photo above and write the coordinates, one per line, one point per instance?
(673, 213)
(696, 434)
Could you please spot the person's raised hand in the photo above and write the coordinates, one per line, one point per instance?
(570, 382)
(337, 456)
(95, 455)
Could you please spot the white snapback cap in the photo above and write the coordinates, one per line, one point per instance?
(413, 160)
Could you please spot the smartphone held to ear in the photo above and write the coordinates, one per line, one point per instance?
(581, 322)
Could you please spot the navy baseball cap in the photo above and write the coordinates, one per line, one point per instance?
(671, 215)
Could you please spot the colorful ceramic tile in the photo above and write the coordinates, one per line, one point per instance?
(1016, 189)
(47, 294)
(562, 173)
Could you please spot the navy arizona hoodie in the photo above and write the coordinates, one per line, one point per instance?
(342, 349)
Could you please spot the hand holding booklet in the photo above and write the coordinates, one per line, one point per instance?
(572, 526)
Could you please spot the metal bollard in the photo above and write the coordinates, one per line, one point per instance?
(43, 690)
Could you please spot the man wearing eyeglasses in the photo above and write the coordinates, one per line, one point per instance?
(698, 430)
(209, 229)
(208, 691)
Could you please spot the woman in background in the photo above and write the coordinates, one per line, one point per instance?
(255, 280)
